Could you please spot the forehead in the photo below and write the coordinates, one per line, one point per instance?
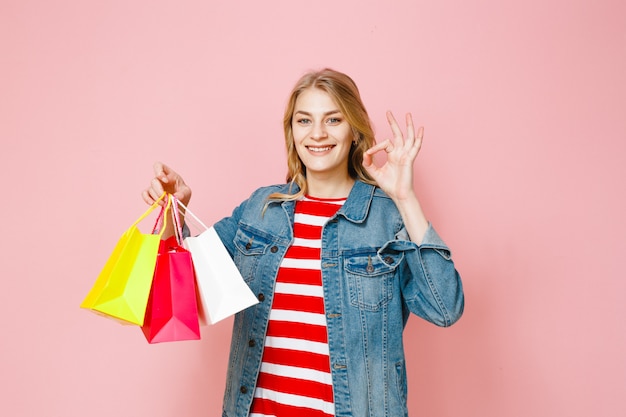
(314, 99)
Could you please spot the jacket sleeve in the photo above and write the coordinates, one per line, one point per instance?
(226, 228)
(430, 283)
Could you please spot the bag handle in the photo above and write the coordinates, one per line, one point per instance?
(193, 216)
(176, 220)
(150, 209)
(161, 222)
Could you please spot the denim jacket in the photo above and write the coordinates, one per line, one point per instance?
(373, 277)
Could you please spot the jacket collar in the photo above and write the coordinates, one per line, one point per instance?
(358, 203)
(356, 206)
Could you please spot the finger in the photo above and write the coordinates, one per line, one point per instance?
(150, 196)
(156, 189)
(161, 171)
(367, 159)
(397, 133)
(385, 145)
(369, 165)
(417, 144)
(419, 137)
(410, 129)
(145, 195)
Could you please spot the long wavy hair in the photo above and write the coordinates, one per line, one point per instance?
(342, 89)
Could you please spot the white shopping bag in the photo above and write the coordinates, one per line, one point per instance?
(221, 288)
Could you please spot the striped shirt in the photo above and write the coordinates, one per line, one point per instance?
(295, 378)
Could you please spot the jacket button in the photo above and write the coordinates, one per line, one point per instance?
(251, 343)
(388, 260)
(274, 249)
(248, 246)
(369, 268)
(261, 297)
(243, 389)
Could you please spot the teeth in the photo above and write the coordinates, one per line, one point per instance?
(314, 149)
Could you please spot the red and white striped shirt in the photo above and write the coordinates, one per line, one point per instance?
(295, 378)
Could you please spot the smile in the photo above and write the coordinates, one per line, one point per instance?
(320, 148)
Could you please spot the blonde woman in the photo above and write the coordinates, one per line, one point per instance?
(338, 256)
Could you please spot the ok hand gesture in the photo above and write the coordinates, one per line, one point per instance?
(395, 176)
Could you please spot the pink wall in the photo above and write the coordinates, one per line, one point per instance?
(522, 172)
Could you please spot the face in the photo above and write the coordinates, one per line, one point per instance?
(322, 136)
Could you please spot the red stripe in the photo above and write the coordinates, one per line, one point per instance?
(317, 208)
(311, 389)
(295, 330)
(298, 303)
(299, 276)
(301, 252)
(297, 358)
(307, 231)
(272, 408)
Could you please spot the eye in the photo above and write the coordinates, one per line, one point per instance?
(303, 121)
(333, 120)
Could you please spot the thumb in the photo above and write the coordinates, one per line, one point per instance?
(367, 160)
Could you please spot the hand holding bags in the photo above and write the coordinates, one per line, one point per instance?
(122, 288)
(172, 311)
(221, 287)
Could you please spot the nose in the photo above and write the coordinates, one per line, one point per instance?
(318, 131)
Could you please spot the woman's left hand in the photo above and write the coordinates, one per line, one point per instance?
(395, 176)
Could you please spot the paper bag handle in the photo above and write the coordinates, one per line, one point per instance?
(176, 220)
(193, 216)
(161, 221)
(150, 209)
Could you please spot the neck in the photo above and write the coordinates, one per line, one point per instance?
(329, 188)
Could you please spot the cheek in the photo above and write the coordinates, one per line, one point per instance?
(298, 134)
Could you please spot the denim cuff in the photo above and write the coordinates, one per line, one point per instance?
(432, 239)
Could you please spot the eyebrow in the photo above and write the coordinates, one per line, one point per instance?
(306, 113)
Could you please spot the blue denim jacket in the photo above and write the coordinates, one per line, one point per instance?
(373, 277)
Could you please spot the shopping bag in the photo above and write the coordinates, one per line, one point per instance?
(221, 288)
(172, 311)
(122, 288)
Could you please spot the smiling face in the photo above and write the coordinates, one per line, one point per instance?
(322, 137)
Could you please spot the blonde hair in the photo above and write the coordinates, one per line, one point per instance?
(342, 89)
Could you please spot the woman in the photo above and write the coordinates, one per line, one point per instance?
(338, 257)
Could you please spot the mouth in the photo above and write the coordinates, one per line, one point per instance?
(320, 148)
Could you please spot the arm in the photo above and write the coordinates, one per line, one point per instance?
(437, 293)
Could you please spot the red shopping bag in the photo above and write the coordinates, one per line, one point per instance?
(172, 310)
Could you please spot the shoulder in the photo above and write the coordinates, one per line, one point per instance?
(259, 198)
(266, 191)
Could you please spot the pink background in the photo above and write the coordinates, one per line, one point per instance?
(522, 172)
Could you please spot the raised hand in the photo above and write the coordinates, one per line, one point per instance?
(169, 181)
(395, 176)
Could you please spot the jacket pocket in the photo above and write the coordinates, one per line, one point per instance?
(370, 278)
(250, 246)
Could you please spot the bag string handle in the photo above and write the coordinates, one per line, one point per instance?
(193, 216)
(176, 220)
(161, 222)
(150, 209)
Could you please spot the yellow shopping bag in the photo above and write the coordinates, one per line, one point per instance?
(123, 286)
